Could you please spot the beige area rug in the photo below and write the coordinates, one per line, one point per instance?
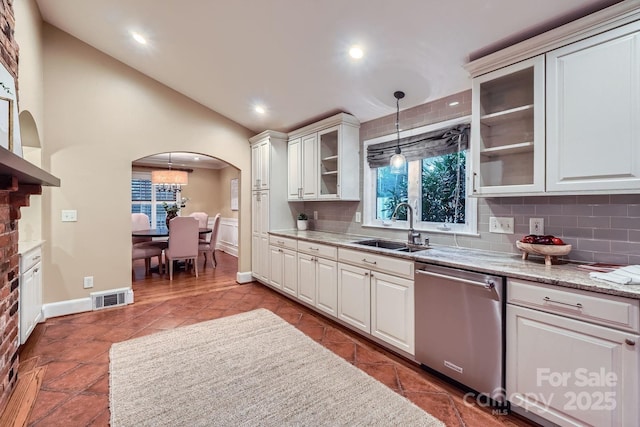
(251, 369)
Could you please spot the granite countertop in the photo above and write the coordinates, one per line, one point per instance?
(504, 264)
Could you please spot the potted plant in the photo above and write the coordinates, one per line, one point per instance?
(302, 221)
(172, 210)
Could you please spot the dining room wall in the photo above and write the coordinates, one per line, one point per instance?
(99, 116)
(209, 191)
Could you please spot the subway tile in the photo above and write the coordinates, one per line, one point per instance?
(610, 258)
(556, 231)
(584, 256)
(594, 221)
(562, 221)
(536, 200)
(585, 233)
(626, 199)
(611, 234)
(594, 245)
(563, 200)
(596, 199)
(625, 222)
(524, 209)
(634, 211)
(632, 248)
(610, 210)
(580, 210)
(634, 235)
(549, 210)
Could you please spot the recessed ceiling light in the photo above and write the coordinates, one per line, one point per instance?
(260, 109)
(356, 52)
(454, 103)
(139, 38)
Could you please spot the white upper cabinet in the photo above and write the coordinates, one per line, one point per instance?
(593, 113)
(321, 159)
(507, 131)
(558, 113)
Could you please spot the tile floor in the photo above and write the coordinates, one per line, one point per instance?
(74, 349)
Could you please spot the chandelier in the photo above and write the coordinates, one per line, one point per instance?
(169, 179)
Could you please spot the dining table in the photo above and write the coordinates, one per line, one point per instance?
(163, 232)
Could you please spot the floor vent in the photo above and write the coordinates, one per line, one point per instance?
(109, 299)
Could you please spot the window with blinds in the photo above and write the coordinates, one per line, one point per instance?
(145, 198)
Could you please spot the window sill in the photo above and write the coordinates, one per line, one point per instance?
(422, 230)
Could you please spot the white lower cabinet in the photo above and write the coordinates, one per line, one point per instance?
(569, 371)
(318, 276)
(307, 278)
(283, 271)
(377, 303)
(30, 306)
(327, 286)
(354, 296)
(392, 310)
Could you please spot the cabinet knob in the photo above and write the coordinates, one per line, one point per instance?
(629, 342)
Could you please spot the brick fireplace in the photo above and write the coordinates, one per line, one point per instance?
(18, 180)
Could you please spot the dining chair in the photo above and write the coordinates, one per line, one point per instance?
(210, 246)
(183, 242)
(139, 222)
(147, 252)
(203, 221)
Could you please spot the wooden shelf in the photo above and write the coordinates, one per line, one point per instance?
(505, 150)
(330, 173)
(330, 158)
(518, 113)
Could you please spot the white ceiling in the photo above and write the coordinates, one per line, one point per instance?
(181, 160)
(291, 55)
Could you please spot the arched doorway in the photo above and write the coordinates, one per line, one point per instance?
(212, 188)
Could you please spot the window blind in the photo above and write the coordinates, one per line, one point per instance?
(416, 147)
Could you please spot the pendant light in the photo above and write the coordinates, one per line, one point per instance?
(398, 162)
(169, 180)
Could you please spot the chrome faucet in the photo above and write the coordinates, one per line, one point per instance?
(413, 238)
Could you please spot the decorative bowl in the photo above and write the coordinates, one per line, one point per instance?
(550, 252)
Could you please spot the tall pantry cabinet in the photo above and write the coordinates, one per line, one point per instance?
(269, 207)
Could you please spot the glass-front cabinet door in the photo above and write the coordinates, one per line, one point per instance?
(507, 130)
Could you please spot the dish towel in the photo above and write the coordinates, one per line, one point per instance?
(629, 275)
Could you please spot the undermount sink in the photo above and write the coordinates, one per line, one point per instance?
(388, 244)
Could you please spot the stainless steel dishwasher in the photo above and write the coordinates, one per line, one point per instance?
(459, 326)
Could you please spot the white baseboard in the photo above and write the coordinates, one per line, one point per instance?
(73, 306)
(244, 277)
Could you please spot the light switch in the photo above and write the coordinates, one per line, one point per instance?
(69, 215)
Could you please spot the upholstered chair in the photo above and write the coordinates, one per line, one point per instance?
(146, 252)
(183, 242)
(209, 248)
(203, 221)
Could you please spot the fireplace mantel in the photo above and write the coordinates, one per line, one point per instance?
(12, 165)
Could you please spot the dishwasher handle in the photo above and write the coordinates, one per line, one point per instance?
(487, 284)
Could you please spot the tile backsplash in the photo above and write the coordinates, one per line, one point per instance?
(601, 228)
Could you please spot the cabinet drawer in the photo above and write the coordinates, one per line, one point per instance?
(396, 266)
(608, 310)
(30, 258)
(283, 242)
(323, 251)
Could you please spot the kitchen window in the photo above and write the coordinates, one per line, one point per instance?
(145, 198)
(434, 184)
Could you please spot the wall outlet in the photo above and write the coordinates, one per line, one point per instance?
(358, 217)
(501, 225)
(536, 225)
(315, 215)
(69, 216)
(88, 282)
